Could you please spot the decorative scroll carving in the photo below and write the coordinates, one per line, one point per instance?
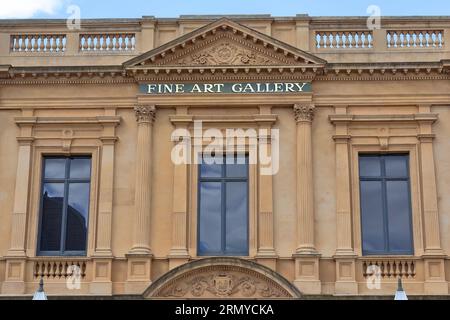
(145, 113)
(304, 112)
(226, 53)
(222, 282)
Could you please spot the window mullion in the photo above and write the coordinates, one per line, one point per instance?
(223, 208)
(65, 207)
(385, 206)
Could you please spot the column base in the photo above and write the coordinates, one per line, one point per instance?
(267, 258)
(139, 273)
(435, 283)
(307, 274)
(345, 273)
(102, 280)
(14, 276)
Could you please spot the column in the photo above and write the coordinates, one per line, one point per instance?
(306, 256)
(179, 254)
(345, 256)
(16, 256)
(139, 258)
(434, 256)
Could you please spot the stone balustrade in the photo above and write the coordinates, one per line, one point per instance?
(38, 43)
(117, 42)
(429, 39)
(344, 39)
(389, 268)
(59, 268)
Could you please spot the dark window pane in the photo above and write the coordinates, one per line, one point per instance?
(77, 217)
(372, 216)
(211, 167)
(396, 166)
(400, 238)
(55, 168)
(80, 168)
(370, 166)
(52, 209)
(237, 166)
(210, 235)
(236, 218)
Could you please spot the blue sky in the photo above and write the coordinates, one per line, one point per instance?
(174, 8)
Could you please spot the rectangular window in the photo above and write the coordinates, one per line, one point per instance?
(64, 206)
(385, 205)
(223, 207)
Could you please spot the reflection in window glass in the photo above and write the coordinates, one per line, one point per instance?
(396, 166)
(210, 217)
(52, 212)
(385, 205)
(77, 214)
(223, 208)
(369, 166)
(65, 206)
(55, 168)
(80, 168)
(236, 217)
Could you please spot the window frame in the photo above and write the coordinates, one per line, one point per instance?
(223, 179)
(67, 180)
(383, 178)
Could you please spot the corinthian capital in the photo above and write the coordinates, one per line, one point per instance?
(145, 113)
(304, 112)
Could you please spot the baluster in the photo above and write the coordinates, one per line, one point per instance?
(16, 43)
(412, 40)
(85, 43)
(117, 42)
(104, 45)
(122, 44)
(97, 39)
(12, 44)
(110, 42)
(324, 40)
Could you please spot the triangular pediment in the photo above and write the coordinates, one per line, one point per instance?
(225, 44)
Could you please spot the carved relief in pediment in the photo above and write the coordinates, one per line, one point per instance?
(226, 53)
(223, 282)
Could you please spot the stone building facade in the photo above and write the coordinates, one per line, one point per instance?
(89, 191)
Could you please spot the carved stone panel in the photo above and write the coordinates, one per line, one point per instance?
(222, 282)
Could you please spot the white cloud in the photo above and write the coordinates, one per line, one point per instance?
(22, 9)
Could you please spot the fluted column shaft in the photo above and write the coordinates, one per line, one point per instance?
(141, 237)
(304, 116)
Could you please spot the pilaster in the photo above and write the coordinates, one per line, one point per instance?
(345, 255)
(16, 256)
(179, 253)
(266, 254)
(434, 257)
(306, 256)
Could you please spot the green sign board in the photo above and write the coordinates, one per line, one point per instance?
(225, 88)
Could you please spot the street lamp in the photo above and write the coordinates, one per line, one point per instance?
(400, 294)
(40, 294)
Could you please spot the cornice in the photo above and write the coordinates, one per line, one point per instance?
(112, 120)
(383, 71)
(345, 118)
